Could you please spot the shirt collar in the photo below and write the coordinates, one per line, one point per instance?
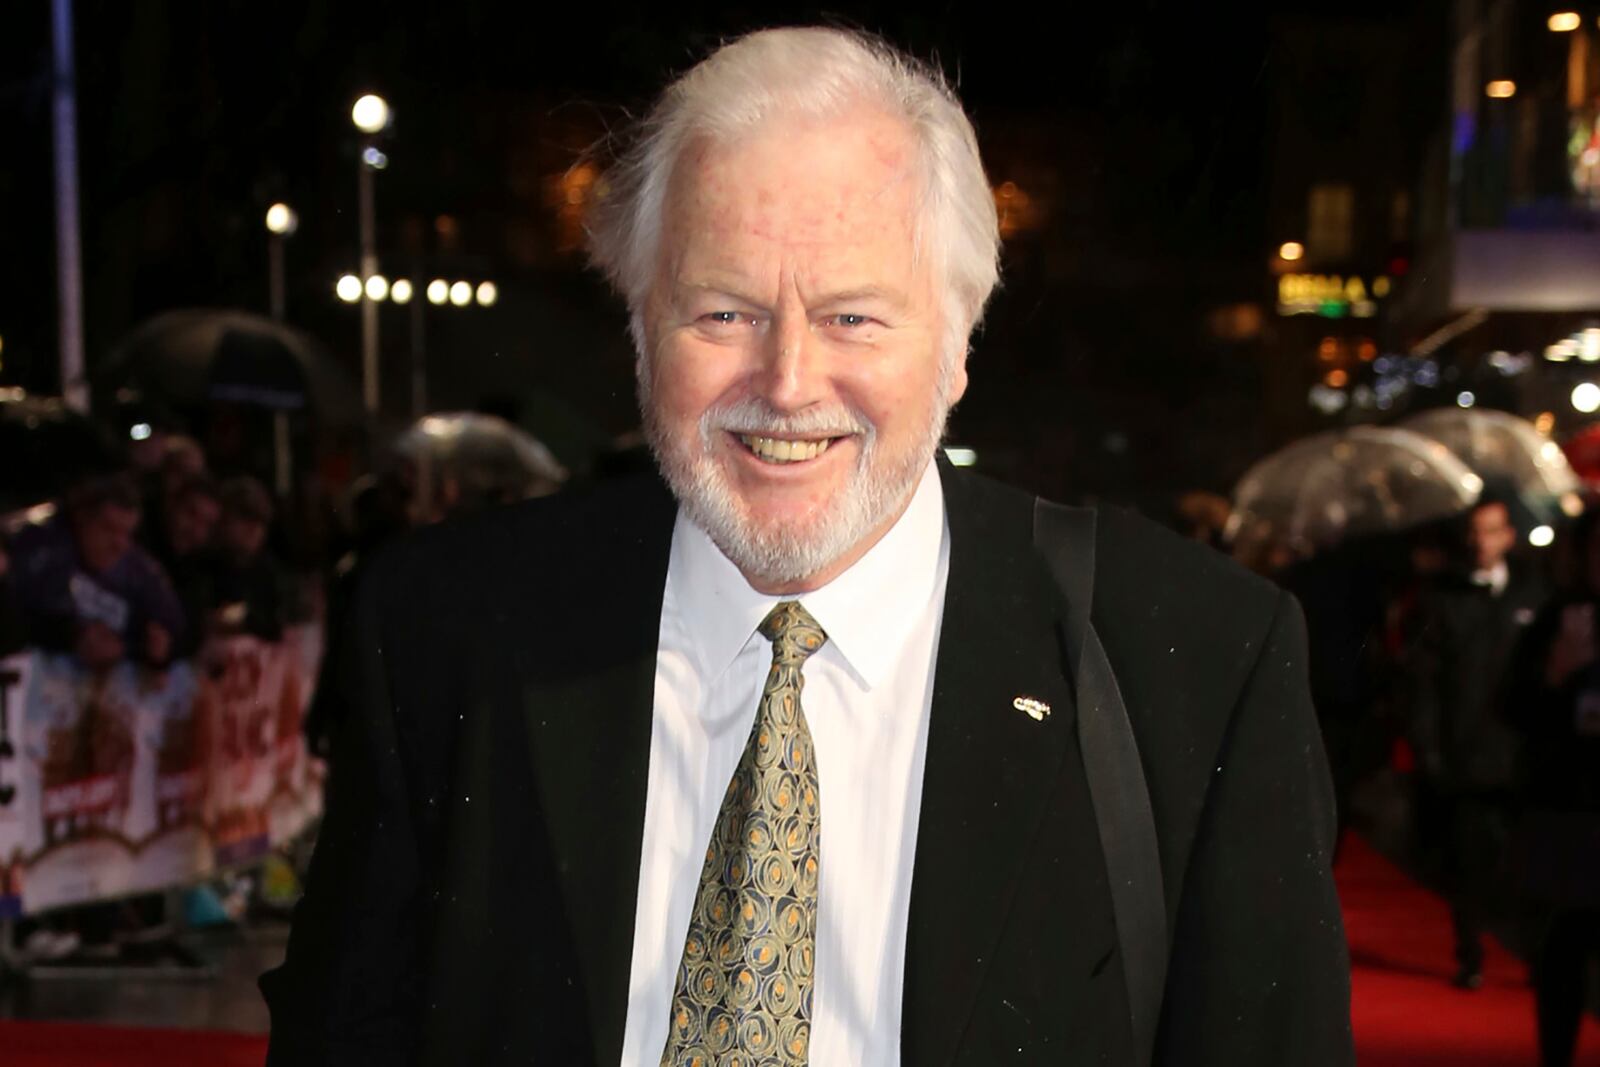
(1495, 578)
(868, 611)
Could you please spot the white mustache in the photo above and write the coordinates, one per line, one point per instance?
(754, 417)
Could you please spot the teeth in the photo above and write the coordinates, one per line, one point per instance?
(774, 450)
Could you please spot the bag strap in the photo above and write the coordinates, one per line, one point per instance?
(1065, 537)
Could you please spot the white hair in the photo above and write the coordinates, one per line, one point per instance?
(807, 72)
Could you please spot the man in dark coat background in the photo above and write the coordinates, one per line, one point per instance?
(1470, 621)
(575, 816)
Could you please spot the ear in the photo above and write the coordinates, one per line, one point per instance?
(958, 380)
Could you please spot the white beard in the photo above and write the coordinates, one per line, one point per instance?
(775, 553)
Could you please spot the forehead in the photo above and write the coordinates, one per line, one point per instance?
(824, 191)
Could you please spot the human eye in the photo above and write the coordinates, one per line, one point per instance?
(855, 325)
(723, 323)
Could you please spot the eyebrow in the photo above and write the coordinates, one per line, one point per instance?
(841, 296)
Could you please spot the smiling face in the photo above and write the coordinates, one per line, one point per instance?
(793, 387)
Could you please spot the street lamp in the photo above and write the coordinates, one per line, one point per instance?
(281, 224)
(371, 116)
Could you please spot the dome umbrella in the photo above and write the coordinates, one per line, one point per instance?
(195, 356)
(465, 460)
(1512, 457)
(1320, 491)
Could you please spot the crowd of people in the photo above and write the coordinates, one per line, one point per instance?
(139, 565)
(1473, 669)
(143, 568)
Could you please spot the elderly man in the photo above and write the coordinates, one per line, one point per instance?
(583, 814)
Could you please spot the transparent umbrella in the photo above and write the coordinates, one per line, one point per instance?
(1364, 480)
(465, 460)
(1510, 454)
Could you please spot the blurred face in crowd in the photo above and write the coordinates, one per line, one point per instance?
(105, 534)
(793, 387)
(242, 536)
(191, 521)
(1490, 535)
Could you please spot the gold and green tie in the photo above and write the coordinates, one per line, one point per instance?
(743, 994)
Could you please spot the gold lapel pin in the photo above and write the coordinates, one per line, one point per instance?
(1037, 710)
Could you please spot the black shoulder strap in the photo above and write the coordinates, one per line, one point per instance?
(1066, 539)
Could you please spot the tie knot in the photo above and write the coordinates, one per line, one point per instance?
(793, 632)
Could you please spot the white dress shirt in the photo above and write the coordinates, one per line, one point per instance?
(868, 692)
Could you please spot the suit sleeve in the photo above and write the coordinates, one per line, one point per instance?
(348, 992)
(1259, 974)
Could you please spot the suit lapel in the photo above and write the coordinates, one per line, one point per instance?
(989, 765)
(588, 704)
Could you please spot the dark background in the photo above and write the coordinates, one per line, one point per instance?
(1146, 137)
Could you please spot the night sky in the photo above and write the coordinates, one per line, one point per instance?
(1144, 127)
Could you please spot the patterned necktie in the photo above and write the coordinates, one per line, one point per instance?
(743, 994)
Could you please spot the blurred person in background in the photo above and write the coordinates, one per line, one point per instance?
(85, 587)
(246, 594)
(1468, 623)
(179, 459)
(379, 511)
(1344, 590)
(192, 513)
(1556, 707)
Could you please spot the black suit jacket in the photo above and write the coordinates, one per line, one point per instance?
(1460, 678)
(472, 896)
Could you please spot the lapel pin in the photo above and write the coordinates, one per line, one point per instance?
(1037, 710)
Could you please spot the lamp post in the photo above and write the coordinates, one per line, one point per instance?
(281, 224)
(371, 116)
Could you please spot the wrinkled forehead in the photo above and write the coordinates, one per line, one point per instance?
(795, 182)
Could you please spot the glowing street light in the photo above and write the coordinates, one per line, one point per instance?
(1564, 21)
(1501, 89)
(461, 294)
(371, 113)
(377, 287)
(400, 291)
(438, 291)
(488, 293)
(281, 220)
(1290, 251)
(1586, 398)
(349, 288)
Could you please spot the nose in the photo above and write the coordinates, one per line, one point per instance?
(793, 373)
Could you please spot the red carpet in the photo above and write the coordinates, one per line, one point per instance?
(1405, 1012)
(28, 1044)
